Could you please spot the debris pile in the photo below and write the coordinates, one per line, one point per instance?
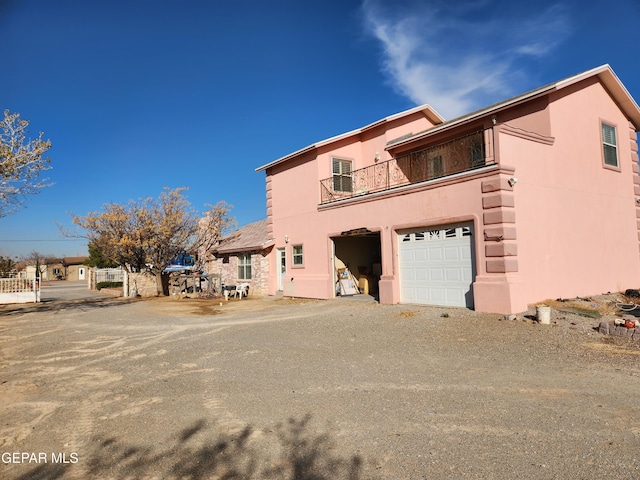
(628, 324)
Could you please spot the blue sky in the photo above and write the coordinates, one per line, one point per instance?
(136, 95)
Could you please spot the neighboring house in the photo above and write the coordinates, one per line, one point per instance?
(243, 256)
(533, 198)
(75, 268)
(54, 269)
(29, 272)
(67, 268)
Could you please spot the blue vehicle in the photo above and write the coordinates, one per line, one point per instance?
(180, 263)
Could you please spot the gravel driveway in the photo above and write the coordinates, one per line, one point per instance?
(282, 388)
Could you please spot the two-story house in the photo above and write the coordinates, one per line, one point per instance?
(532, 198)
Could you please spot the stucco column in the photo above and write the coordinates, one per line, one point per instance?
(388, 288)
(498, 287)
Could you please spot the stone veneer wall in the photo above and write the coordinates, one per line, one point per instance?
(145, 284)
(636, 172)
(227, 267)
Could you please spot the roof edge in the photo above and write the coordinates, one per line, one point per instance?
(250, 248)
(605, 73)
(429, 112)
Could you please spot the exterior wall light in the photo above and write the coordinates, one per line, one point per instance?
(286, 239)
(512, 181)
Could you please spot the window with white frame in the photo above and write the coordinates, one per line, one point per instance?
(610, 145)
(298, 259)
(342, 181)
(244, 266)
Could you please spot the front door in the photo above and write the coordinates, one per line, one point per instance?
(282, 267)
(81, 273)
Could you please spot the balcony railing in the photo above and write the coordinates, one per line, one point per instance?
(456, 156)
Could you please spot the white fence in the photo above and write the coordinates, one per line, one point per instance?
(109, 275)
(19, 290)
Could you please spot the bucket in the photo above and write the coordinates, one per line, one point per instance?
(543, 314)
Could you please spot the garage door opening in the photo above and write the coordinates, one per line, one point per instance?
(359, 252)
(437, 265)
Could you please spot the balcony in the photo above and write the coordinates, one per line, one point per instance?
(456, 156)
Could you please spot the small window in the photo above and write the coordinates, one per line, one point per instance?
(298, 259)
(342, 175)
(244, 266)
(610, 145)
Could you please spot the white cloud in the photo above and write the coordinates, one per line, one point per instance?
(454, 57)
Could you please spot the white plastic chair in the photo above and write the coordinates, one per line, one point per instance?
(242, 290)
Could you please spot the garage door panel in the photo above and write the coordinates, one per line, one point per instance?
(451, 254)
(421, 275)
(438, 296)
(437, 266)
(433, 253)
(454, 297)
(454, 275)
(420, 255)
(434, 274)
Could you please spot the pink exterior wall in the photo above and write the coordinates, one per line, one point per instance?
(567, 227)
(574, 218)
(293, 211)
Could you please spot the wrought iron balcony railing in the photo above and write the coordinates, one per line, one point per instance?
(456, 156)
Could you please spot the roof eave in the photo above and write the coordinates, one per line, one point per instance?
(606, 75)
(428, 111)
(472, 116)
(248, 248)
(615, 87)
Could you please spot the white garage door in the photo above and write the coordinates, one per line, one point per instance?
(437, 265)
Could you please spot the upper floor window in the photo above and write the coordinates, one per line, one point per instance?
(244, 266)
(342, 175)
(610, 145)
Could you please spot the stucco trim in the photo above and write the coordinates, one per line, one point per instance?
(524, 134)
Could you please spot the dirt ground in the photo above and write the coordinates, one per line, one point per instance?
(303, 389)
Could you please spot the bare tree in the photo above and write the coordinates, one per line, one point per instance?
(214, 224)
(39, 262)
(145, 235)
(21, 162)
(7, 267)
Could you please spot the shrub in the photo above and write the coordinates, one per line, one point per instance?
(101, 285)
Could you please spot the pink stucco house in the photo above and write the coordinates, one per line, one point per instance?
(533, 198)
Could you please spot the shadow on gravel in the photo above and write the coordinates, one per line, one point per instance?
(289, 451)
(57, 305)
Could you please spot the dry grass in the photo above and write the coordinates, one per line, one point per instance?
(595, 307)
